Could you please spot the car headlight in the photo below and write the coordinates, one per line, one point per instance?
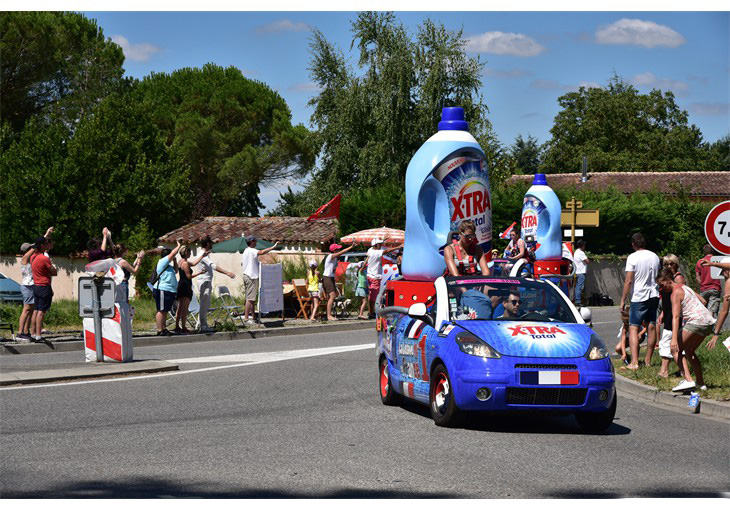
(469, 344)
(596, 349)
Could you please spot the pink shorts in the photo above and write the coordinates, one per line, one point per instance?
(373, 288)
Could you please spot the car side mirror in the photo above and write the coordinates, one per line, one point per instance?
(586, 314)
(419, 311)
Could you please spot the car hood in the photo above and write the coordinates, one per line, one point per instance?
(531, 339)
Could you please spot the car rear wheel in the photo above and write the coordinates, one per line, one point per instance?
(597, 422)
(441, 399)
(387, 393)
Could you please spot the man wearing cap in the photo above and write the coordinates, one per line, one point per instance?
(43, 271)
(375, 268)
(250, 266)
(328, 276)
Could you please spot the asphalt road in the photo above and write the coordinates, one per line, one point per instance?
(259, 425)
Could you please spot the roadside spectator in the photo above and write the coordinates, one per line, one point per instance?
(375, 269)
(205, 281)
(26, 289)
(361, 290)
(580, 261)
(698, 323)
(328, 276)
(671, 263)
(641, 270)
(100, 250)
(165, 288)
(250, 265)
(43, 272)
(184, 289)
(465, 256)
(709, 287)
(313, 277)
(120, 251)
(725, 273)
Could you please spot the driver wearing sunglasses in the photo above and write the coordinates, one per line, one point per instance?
(511, 304)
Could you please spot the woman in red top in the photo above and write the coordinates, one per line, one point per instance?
(466, 257)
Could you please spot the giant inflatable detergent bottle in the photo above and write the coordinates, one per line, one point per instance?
(446, 182)
(541, 226)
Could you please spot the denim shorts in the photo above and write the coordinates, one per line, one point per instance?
(643, 311)
(28, 296)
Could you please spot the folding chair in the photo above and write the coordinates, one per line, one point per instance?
(305, 300)
(228, 308)
(194, 312)
(342, 305)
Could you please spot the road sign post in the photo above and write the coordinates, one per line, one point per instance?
(96, 300)
(717, 227)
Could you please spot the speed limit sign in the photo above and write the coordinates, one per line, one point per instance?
(717, 227)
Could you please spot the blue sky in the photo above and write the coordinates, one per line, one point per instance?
(531, 57)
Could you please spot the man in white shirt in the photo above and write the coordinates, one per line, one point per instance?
(580, 261)
(250, 266)
(642, 268)
(375, 269)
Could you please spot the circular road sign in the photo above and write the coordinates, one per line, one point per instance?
(717, 227)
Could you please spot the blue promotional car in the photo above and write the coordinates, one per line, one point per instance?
(491, 344)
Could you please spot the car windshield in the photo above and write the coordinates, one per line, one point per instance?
(506, 299)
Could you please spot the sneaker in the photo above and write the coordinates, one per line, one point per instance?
(207, 329)
(684, 385)
(703, 387)
(250, 323)
(39, 340)
(22, 339)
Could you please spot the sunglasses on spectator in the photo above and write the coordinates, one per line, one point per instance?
(470, 236)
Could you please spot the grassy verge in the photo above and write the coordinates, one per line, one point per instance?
(715, 368)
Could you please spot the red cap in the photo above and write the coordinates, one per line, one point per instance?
(335, 246)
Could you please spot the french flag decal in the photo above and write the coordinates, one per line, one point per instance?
(553, 377)
(414, 330)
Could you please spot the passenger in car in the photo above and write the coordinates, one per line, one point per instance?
(511, 304)
(465, 256)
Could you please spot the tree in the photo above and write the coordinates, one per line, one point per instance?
(114, 170)
(619, 129)
(370, 121)
(526, 154)
(54, 61)
(234, 133)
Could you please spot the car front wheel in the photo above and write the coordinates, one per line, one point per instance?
(597, 422)
(441, 399)
(387, 393)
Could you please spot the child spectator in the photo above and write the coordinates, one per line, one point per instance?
(313, 277)
(361, 290)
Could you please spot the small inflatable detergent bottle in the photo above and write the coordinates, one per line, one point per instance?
(541, 226)
(446, 182)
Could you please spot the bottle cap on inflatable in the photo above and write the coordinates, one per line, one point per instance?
(452, 119)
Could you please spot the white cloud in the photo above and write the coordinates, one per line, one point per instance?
(710, 108)
(639, 33)
(554, 85)
(507, 74)
(648, 80)
(283, 25)
(305, 87)
(140, 52)
(501, 43)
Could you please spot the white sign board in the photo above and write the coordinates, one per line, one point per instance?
(271, 290)
(717, 227)
(578, 232)
(715, 271)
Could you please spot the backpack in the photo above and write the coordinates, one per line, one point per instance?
(154, 275)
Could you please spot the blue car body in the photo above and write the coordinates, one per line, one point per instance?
(541, 366)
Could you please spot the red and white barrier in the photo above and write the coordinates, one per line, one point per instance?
(116, 335)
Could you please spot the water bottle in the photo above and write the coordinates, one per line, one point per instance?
(447, 182)
(694, 402)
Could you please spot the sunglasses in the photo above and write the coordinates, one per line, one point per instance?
(470, 236)
(515, 302)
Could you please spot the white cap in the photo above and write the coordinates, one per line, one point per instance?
(376, 241)
(313, 263)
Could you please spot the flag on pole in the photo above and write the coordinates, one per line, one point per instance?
(329, 210)
(505, 234)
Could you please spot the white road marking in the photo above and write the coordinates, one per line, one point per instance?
(239, 360)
